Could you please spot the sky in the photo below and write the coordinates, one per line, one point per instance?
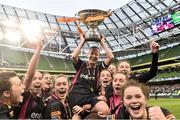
(65, 7)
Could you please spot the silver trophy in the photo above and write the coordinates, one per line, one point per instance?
(92, 18)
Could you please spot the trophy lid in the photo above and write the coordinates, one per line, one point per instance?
(92, 17)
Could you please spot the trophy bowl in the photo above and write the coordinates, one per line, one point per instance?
(92, 18)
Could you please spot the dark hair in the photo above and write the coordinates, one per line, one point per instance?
(94, 47)
(5, 84)
(145, 89)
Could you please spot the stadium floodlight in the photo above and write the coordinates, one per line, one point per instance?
(13, 36)
(31, 29)
(10, 24)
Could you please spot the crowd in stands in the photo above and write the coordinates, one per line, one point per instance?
(98, 91)
(165, 89)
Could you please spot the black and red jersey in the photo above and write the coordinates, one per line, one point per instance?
(56, 109)
(30, 108)
(6, 111)
(82, 83)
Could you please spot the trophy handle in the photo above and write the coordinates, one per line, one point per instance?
(109, 12)
(76, 15)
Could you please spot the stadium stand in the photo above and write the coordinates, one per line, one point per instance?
(14, 59)
(18, 61)
(21, 59)
(163, 54)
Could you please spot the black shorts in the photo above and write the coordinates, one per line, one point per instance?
(82, 99)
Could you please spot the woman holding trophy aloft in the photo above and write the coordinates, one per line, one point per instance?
(85, 84)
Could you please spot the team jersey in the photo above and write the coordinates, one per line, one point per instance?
(115, 104)
(6, 111)
(31, 108)
(82, 83)
(45, 94)
(56, 109)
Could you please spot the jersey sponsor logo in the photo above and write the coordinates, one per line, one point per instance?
(36, 115)
(84, 76)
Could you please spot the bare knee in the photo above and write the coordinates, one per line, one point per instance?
(102, 107)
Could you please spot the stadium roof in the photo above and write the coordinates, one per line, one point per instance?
(65, 7)
(128, 26)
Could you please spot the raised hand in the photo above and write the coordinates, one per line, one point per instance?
(39, 41)
(102, 41)
(81, 33)
(155, 113)
(154, 46)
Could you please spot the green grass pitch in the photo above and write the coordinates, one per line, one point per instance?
(172, 104)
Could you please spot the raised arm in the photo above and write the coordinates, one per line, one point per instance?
(109, 54)
(33, 63)
(76, 52)
(154, 46)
